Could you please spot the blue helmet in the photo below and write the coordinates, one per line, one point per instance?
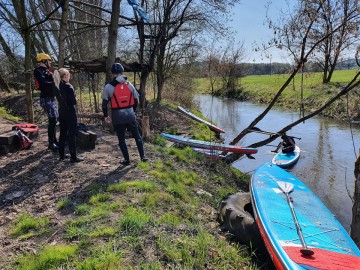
(117, 68)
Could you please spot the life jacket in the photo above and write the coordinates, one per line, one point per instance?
(25, 142)
(123, 97)
(37, 84)
(27, 127)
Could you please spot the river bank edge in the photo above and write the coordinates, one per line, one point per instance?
(182, 205)
(346, 109)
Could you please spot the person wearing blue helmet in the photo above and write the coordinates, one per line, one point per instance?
(123, 99)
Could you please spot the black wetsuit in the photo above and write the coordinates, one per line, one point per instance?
(67, 119)
(288, 144)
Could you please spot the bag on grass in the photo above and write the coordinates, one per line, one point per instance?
(25, 142)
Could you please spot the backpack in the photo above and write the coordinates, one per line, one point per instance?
(123, 97)
(25, 142)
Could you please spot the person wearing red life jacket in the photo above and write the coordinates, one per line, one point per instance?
(45, 83)
(123, 99)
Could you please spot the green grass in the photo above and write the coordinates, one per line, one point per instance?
(134, 220)
(99, 198)
(155, 222)
(49, 257)
(4, 113)
(136, 185)
(108, 257)
(63, 203)
(26, 226)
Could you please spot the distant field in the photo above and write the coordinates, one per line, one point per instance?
(262, 88)
(267, 83)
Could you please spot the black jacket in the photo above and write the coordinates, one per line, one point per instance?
(66, 100)
(44, 81)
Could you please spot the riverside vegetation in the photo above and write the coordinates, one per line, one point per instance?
(262, 88)
(156, 215)
(99, 215)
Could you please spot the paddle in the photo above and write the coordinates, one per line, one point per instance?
(258, 130)
(287, 187)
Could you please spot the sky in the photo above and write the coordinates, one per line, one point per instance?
(249, 20)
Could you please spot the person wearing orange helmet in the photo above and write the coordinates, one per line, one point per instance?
(45, 83)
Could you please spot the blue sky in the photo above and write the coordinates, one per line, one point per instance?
(249, 21)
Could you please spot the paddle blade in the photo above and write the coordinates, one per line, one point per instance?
(286, 187)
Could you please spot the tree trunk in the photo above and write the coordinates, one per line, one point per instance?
(113, 34)
(62, 35)
(26, 34)
(3, 83)
(143, 78)
(355, 223)
(160, 72)
(28, 76)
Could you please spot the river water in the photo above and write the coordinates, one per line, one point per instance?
(329, 148)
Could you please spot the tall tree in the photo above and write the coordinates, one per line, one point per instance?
(333, 13)
(229, 68)
(294, 33)
(170, 17)
(26, 34)
(62, 34)
(355, 224)
(112, 38)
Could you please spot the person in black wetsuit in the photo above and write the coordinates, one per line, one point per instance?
(287, 144)
(45, 83)
(67, 114)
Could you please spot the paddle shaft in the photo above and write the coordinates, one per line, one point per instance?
(305, 250)
(270, 133)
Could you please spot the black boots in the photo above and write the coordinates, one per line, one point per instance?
(74, 158)
(125, 162)
(62, 154)
(53, 146)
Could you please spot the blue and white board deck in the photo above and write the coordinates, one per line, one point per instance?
(285, 160)
(209, 145)
(197, 118)
(332, 246)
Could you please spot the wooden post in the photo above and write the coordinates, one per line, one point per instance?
(145, 126)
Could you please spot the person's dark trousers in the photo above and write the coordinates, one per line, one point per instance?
(120, 132)
(52, 132)
(68, 128)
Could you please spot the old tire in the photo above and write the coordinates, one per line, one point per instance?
(235, 215)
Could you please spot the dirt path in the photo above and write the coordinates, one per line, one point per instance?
(34, 180)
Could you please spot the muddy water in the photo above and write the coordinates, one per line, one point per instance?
(328, 147)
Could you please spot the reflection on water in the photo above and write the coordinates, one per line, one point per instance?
(327, 159)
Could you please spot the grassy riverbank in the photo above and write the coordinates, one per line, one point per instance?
(98, 214)
(312, 93)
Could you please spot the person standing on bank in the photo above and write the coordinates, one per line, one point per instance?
(67, 114)
(124, 99)
(45, 83)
